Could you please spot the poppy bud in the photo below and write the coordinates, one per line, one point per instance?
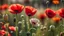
(52, 27)
(14, 19)
(33, 30)
(28, 34)
(5, 17)
(22, 16)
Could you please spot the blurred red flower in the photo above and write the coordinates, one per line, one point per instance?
(0, 7)
(42, 16)
(1, 24)
(50, 13)
(9, 34)
(61, 12)
(3, 27)
(16, 8)
(2, 32)
(30, 11)
(4, 6)
(12, 28)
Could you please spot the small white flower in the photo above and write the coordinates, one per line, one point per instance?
(34, 21)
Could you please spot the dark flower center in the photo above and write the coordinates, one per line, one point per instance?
(29, 14)
(49, 13)
(16, 11)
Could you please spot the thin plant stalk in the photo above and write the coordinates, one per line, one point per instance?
(16, 26)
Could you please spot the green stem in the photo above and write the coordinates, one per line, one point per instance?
(62, 24)
(7, 30)
(29, 24)
(47, 28)
(26, 26)
(16, 26)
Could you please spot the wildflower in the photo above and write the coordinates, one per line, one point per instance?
(16, 8)
(50, 13)
(30, 11)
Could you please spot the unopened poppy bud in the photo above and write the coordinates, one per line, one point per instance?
(14, 19)
(28, 33)
(19, 22)
(22, 16)
(52, 27)
(47, 2)
(5, 17)
(33, 30)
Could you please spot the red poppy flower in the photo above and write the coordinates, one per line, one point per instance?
(12, 28)
(4, 6)
(16, 8)
(3, 27)
(30, 11)
(61, 12)
(9, 34)
(50, 13)
(42, 16)
(2, 32)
